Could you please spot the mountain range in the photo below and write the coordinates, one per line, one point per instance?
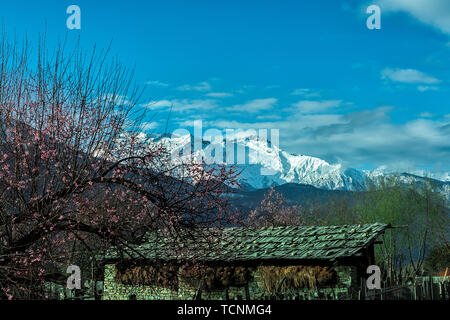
(267, 165)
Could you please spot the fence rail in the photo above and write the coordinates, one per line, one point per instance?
(422, 288)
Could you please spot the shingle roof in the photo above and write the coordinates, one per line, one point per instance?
(264, 244)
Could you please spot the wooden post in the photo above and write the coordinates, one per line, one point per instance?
(416, 297)
(198, 293)
(421, 289)
(431, 287)
(247, 292)
(371, 254)
(362, 289)
(425, 289)
(365, 289)
(411, 293)
(447, 289)
(416, 291)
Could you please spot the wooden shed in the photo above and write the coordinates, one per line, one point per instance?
(234, 263)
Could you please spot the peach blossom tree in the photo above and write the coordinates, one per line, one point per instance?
(75, 170)
(275, 211)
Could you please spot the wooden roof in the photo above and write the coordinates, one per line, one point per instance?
(263, 244)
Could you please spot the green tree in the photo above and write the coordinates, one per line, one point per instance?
(438, 259)
(419, 214)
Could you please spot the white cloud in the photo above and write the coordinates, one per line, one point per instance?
(312, 106)
(201, 87)
(182, 105)
(293, 124)
(115, 99)
(160, 104)
(255, 105)
(426, 115)
(219, 94)
(157, 83)
(359, 139)
(427, 88)
(408, 76)
(304, 92)
(432, 12)
(145, 126)
(269, 117)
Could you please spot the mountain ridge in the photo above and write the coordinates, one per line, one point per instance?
(267, 165)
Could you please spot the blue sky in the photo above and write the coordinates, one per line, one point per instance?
(335, 89)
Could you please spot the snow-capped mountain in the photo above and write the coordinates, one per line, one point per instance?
(288, 168)
(263, 165)
(423, 174)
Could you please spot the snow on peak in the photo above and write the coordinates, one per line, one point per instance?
(263, 164)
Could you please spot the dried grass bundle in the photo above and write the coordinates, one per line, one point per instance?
(216, 278)
(163, 276)
(276, 279)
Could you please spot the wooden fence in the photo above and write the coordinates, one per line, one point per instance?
(422, 288)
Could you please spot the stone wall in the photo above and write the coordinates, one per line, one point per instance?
(117, 291)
